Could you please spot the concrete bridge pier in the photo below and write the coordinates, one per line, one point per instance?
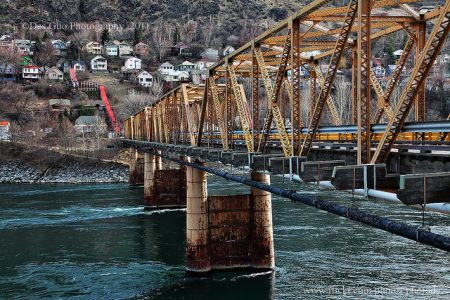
(163, 188)
(136, 167)
(149, 173)
(227, 232)
(197, 222)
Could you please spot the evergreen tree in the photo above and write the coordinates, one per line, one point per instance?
(138, 35)
(105, 36)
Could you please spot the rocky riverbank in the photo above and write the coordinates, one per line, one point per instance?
(13, 172)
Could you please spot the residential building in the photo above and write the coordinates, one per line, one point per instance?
(59, 48)
(186, 66)
(141, 49)
(79, 65)
(7, 72)
(210, 53)
(144, 79)
(87, 124)
(379, 71)
(93, 48)
(23, 47)
(178, 49)
(132, 64)
(4, 130)
(175, 76)
(111, 49)
(54, 74)
(63, 64)
(99, 64)
(228, 50)
(125, 49)
(31, 72)
(57, 106)
(165, 68)
(6, 43)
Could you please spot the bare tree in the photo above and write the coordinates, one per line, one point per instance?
(14, 99)
(162, 38)
(342, 97)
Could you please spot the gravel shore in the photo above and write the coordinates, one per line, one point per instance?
(14, 172)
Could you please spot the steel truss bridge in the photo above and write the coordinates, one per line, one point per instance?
(265, 73)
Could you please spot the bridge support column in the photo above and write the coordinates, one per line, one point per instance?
(158, 160)
(149, 173)
(136, 167)
(263, 249)
(197, 222)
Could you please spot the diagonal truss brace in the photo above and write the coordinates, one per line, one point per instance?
(217, 109)
(330, 102)
(242, 108)
(384, 102)
(418, 75)
(273, 92)
(329, 77)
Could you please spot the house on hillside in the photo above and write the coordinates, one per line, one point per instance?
(63, 64)
(141, 49)
(7, 72)
(54, 74)
(6, 43)
(132, 64)
(111, 49)
(178, 48)
(210, 53)
(186, 66)
(59, 48)
(125, 49)
(23, 46)
(176, 76)
(87, 124)
(99, 64)
(93, 48)
(57, 106)
(144, 79)
(379, 71)
(31, 72)
(200, 70)
(165, 68)
(79, 65)
(228, 50)
(4, 131)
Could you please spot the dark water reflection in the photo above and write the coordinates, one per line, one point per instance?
(96, 241)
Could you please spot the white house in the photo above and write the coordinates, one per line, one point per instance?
(86, 124)
(111, 49)
(165, 68)
(23, 46)
(186, 66)
(228, 50)
(379, 71)
(54, 74)
(132, 64)
(204, 64)
(125, 49)
(175, 76)
(93, 48)
(31, 72)
(99, 64)
(210, 53)
(144, 78)
(79, 65)
(398, 53)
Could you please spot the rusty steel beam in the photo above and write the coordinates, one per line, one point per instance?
(255, 96)
(329, 77)
(393, 81)
(420, 30)
(203, 114)
(363, 87)
(418, 75)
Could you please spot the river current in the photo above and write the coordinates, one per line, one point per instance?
(98, 242)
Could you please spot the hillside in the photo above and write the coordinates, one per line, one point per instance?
(225, 13)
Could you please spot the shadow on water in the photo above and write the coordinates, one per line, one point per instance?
(218, 286)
